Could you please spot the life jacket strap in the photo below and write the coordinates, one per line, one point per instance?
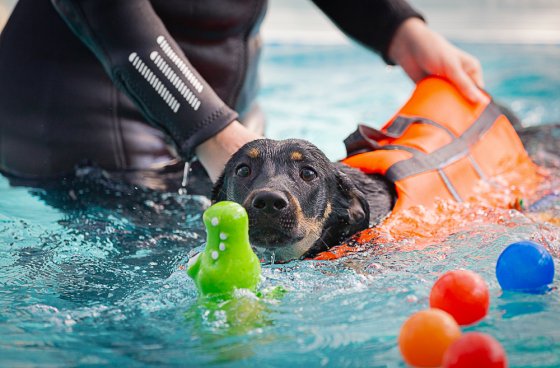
(366, 138)
(444, 156)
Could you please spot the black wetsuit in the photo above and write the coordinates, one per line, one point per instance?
(138, 84)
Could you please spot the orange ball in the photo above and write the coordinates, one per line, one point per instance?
(463, 294)
(425, 337)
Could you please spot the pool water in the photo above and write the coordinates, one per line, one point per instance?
(93, 274)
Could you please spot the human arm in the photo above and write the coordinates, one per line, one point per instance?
(372, 23)
(399, 34)
(144, 61)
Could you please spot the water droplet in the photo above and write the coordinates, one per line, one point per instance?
(411, 298)
(184, 182)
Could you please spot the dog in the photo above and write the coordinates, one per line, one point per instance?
(299, 203)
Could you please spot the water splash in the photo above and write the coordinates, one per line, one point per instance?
(186, 170)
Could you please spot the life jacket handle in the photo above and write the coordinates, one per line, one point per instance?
(366, 138)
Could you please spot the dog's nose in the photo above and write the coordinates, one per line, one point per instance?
(270, 201)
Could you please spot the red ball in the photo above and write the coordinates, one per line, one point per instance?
(463, 294)
(475, 349)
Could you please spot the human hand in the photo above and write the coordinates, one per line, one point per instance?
(214, 153)
(422, 52)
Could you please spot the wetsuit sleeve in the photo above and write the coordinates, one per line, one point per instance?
(372, 23)
(143, 60)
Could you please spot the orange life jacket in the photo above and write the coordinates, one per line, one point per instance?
(438, 145)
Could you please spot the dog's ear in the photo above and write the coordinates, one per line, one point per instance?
(351, 201)
(350, 213)
(219, 191)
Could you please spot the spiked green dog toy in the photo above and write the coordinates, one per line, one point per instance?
(228, 262)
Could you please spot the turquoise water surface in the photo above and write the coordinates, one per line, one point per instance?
(96, 277)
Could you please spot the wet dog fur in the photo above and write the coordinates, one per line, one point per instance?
(299, 203)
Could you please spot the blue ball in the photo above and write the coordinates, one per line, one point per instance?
(526, 267)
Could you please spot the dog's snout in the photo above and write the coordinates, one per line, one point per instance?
(270, 201)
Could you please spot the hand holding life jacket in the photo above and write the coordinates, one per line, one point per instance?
(438, 145)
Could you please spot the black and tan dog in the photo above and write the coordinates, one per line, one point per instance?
(300, 203)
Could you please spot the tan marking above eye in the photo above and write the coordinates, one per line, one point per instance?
(296, 156)
(253, 153)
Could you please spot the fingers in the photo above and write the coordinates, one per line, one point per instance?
(466, 83)
(472, 67)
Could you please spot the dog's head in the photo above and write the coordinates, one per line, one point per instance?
(298, 201)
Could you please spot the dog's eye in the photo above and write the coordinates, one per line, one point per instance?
(307, 174)
(243, 171)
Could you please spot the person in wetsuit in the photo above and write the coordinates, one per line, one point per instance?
(141, 86)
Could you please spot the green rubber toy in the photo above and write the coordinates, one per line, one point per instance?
(228, 261)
